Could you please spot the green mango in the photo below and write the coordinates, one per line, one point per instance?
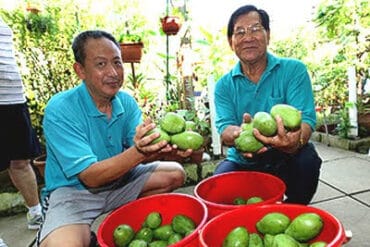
(254, 199)
(290, 115)
(318, 244)
(239, 201)
(255, 240)
(145, 234)
(268, 240)
(182, 224)
(188, 140)
(153, 220)
(163, 232)
(284, 240)
(247, 126)
(158, 243)
(238, 236)
(174, 238)
(172, 123)
(265, 124)
(190, 125)
(273, 223)
(138, 243)
(163, 135)
(123, 235)
(305, 226)
(247, 143)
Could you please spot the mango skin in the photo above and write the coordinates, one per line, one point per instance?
(172, 123)
(163, 135)
(273, 223)
(188, 140)
(290, 115)
(284, 240)
(265, 123)
(246, 142)
(305, 226)
(239, 236)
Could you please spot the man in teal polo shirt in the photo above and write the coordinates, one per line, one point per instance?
(259, 81)
(98, 154)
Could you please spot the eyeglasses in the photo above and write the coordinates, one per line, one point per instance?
(252, 30)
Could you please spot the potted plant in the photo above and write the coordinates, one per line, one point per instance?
(131, 47)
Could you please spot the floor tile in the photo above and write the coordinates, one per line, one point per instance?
(349, 174)
(354, 216)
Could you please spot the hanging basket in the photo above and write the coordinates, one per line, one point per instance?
(171, 25)
(131, 52)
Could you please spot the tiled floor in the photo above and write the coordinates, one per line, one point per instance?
(344, 191)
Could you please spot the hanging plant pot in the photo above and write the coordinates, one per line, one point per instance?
(131, 52)
(171, 25)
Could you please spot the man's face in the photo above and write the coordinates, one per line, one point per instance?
(249, 40)
(102, 70)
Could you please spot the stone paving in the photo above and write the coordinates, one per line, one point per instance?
(344, 191)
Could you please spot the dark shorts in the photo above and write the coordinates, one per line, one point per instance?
(18, 138)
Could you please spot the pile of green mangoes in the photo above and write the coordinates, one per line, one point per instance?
(266, 125)
(276, 229)
(176, 130)
(153, 233)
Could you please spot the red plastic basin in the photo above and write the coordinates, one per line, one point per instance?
(215, 231)
(219, 191)
(168, 205)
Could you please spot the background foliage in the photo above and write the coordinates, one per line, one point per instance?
(338, 37)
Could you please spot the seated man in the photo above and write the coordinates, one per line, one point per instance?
(98, 154)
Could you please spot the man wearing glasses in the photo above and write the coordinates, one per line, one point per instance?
(259, 81)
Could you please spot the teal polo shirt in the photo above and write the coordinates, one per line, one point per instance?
(284, 80)
(78, 135)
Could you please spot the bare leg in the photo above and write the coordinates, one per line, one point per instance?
(78, 235)
(24, 179)
(167, 177)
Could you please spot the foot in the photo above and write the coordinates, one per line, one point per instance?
(2, 243)
(34, 222)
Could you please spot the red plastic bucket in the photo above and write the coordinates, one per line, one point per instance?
(215, 231)
(219, 191)
(168, 205)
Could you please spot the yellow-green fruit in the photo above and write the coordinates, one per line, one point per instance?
(246, 142)
(255, 240)
(145, 234)
(174, 238)
(123, 235)
(305, 226)
(153, 220)
(290, 115)
(158, 243)
(268, 240)
(190, 125)
(138, 243)
(247, 126)
(265, 124)
(172, 123)
(254, 199)
(163, 135)
(163, 232)
(182, 224)
(284, 240)
(238, 236)
(273, 223)
(318, 244)
(187, 140)
(239, 201)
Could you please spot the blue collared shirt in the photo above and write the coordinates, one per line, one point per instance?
(78, 135)
(284, 80)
